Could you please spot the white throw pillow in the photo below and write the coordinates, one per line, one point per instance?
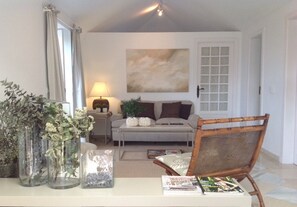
(132, 121)
(144, 121)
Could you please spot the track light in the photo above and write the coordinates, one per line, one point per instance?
(160, 9)
(160, 12)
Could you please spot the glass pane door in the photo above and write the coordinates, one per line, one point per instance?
(214, 71)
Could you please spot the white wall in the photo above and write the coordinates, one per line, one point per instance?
(104, 57)
(22, 51)
(274, 78)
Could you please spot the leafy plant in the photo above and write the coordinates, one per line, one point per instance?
(17, 110)
(83, 121)
(61, 128)
(131, 108)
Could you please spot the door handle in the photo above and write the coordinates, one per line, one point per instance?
(198, 90)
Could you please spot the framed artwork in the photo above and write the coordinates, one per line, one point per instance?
(157, 70)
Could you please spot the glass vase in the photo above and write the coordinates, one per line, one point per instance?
(32, 160)
(97, 169)
(63, 164)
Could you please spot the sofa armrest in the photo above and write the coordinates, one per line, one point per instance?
(115, 117)
(193, 120)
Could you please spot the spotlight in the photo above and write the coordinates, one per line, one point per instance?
(160, 12)
(160, 9)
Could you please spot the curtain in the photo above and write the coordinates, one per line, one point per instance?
(79, 96)
(55, 77)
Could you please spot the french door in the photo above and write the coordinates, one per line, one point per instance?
(214, 86)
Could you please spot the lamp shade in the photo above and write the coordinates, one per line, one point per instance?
(99, 89)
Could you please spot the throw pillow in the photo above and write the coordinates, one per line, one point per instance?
(147, 110)
(124, 114)
(170, 110)
(185, 110)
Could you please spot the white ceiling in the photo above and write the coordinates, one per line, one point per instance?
(179, 15)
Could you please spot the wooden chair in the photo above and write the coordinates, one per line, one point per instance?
(229, 148)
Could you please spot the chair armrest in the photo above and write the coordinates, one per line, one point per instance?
(115, 117)
(193, 120)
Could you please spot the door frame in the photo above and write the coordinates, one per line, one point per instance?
(289, 146)
(235, 77)
(261, 72)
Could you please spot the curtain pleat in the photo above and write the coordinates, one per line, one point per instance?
(79, 96)
(55, 77)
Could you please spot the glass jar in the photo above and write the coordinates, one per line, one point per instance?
(63, 164)
(97, 169)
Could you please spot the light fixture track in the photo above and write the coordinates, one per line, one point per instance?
(160, 10)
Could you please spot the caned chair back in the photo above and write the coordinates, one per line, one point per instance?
(230, 148)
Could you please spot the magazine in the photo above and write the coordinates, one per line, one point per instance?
(180, 185)
(224, 185)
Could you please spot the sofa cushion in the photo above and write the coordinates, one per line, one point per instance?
(122, 111)
(171, 120)
(185, 111)
(170, 110)
(148, 110)
(118, 123)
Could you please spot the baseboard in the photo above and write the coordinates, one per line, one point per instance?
(270, 155)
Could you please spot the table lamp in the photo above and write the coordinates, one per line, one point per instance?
(99, 89)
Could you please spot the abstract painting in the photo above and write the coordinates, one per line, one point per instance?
(157, 70)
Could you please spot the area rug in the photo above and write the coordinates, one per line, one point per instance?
(134, 155)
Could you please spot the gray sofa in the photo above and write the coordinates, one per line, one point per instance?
(192, 119)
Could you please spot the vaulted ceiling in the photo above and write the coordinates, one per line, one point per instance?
(179, 15)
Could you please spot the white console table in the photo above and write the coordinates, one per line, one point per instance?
(126, 192)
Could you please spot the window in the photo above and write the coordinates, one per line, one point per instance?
(64, 36)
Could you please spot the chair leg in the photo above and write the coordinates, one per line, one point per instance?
(256, 191)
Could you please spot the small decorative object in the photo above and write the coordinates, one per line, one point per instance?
(144, 121)
(97, 169)
(32, 160)
(63, 133)
(132, 121)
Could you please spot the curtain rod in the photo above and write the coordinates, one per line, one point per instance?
(51, 8)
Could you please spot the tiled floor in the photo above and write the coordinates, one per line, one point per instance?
(277, 182)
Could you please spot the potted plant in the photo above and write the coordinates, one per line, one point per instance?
(22, 121)
(63, 134)
(131, 108)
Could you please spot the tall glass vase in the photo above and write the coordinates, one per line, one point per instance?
(32, 160)
(63, 164)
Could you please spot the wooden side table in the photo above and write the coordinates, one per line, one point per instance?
(105, 116)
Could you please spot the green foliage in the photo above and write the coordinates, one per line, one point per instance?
(132, 107)
(19, 109)
(61, 129)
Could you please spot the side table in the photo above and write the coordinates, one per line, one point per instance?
(105, 116)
